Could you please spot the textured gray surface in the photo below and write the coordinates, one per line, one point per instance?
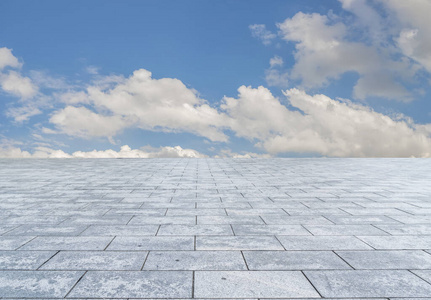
(215, 228)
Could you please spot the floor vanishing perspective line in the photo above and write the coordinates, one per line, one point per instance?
(215, 228)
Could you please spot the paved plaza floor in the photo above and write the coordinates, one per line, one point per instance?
(215, 228)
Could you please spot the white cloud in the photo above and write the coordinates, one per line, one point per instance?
(276, 61)
(274, 76)
(92, 70)
(7, 59)
(323, 125)
(82, 122)
(140, 101)
(23, 113)
(125, 152)
(43, 79)
(260, 32)
(414, 38)
(227, 153)
(323, 53)
(17, 85)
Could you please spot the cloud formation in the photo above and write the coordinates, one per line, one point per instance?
(165, 105)
(322, 125)
(125, 152)
(324, 53)
(260, 32)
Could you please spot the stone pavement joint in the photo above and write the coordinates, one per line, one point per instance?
(215, 229)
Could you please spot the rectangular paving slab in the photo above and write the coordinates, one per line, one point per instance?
(391, 259)
(358, 283)
(67, 243)
(141, 243)
(195, 260)
(37, 284)
(252, 284)
(96, 260)
(294, 260)
(322, 243)
(138, 284)
(237, 243)
(23, 260)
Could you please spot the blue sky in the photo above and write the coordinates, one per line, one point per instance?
(347, 78)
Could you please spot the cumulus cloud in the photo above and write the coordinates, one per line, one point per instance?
(7, 59)
(260, 32)
(17, 85)
(14, 83)
(322, 125)
(227, 153)
(125, 152)
(275, 76)
(324, 53)
(140, 101)
(414, 38)
(82, 122)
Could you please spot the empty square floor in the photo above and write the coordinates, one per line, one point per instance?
(215, 229)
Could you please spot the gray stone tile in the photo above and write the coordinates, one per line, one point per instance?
(261, 284)
(96, 260)
(195, 230)
(344, 230)
(294, 260)
(13, 242)
(255, 211)
(168, 220)
(413, 259)
(237, 243)
(322, 243)
(424, 274)
(105, 220)
(152, 243)
(23, 260)
(50, 230)
(299, 220)
(6, 228)
(138, 284)
(196, 212)
(269, 230)
(216, 220)
(398, 242)
(406, 229)
(351, 220)
(37, 284)
(195, 260)
(360, 283)
(67, 243)
(111, 230)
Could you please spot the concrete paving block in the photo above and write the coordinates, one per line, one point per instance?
(141, 243)
(13, 242)
(322, 243)
(67, 243)
(195, 260)
(269, 230)
(360, 283)
(120, 230)
(237, 243)
(294, 260)
(398, 242)
(393, 259)
(23, 260)
(195, 230)
(96, 260)
(37, 284)
(134, 284)
(254, 284)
